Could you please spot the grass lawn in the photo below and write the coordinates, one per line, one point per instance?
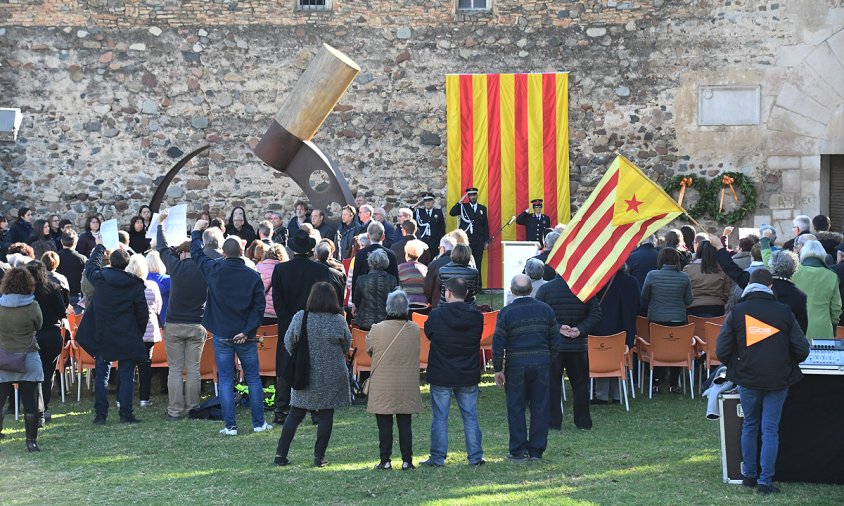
(662, 452)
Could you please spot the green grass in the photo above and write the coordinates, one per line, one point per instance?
(662, 452)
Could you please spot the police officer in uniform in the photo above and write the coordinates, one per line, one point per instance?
(431, 223)
(474, 221)
(535, 222)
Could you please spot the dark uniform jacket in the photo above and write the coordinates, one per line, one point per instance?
(474, 222)
(534, 227)
(772, 362)
(431, 228)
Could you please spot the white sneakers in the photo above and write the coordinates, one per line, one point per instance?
(145, 404)
(233, 432)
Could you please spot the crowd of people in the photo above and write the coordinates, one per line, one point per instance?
(312, 279)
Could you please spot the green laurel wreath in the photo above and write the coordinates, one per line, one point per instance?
(708, 203)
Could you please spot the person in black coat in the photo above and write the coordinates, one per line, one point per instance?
(474, 220)
(88, 239)
(138, 241)
(642, 260)
(238, 225)
(431, 288)
(113, 328)
(291, 284)
(375, 232)
(535, 222)
(618, 314)
(454, 329)
(577, 320)
(783, 265)
(430, 222)
(764, 362)
(71, 266)
(349, 229)
(22, 229)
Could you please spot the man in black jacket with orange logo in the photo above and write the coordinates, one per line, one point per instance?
(761, 344)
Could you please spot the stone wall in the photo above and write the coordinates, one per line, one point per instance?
(114, 92)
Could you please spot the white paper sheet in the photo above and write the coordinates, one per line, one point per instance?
(176, 225)
(744, 232)
(153, 227)
(108, 230)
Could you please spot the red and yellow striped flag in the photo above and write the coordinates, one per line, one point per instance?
(625, 207)
(508, 136)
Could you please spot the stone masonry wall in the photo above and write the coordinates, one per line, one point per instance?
(114, 92)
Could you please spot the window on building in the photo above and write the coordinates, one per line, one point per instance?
(473, 5)
(313, 5)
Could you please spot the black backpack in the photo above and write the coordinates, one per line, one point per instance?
(210, 409)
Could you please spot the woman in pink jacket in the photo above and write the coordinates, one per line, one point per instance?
(273, 256)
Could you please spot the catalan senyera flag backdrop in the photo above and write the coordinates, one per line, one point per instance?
(625, 207)
(508, 136)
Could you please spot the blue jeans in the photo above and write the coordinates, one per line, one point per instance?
(761, 408)
(467, 400)
(224, 352)
(126, 370)
(528, 384)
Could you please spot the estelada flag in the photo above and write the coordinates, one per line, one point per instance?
(625, 207)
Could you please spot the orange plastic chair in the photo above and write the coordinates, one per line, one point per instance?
(159, 355)
(419, 319)
(362, 361)
(489, 329)
(606, 360)
(644, 332)
(83, 361)
(670, 347)
(839, 332)
(266, 351)
(424, 348)
(208, 364)
(706, 344)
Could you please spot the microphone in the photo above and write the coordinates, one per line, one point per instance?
(512, 219)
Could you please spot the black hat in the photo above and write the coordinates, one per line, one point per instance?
(301, 242)
(427, 196)
(472, 190)
(536, 202)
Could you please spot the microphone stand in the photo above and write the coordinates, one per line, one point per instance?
(489, 248)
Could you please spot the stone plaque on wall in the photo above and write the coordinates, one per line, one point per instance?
(728, 105)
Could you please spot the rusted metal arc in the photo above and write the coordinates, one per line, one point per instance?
(309, 159)
(158, 197)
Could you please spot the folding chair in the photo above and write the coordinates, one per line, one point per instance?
(670, 347)
(362, 360)
(606, 360)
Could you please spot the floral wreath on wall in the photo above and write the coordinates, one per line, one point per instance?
(713, 193)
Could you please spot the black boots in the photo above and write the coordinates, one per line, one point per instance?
(31, 425)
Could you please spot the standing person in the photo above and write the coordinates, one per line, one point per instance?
(408, 233)
(454, 329)
(348, 230)
(820, 284)
(265, 233)
(534, 221)
(710, 286)
(829, 240)
(71, 266)
(802, 225)
(322, 254)
(412, 272)
(55, 230)
(642, 260)
(274, 256)
(49, 337)
(300, 217)
(527, 337)
(184, 335)
(666, 294)
(474, 220)
(145, 212)
(576, 320)
(688, 233)
(22, 229)
(375, 233)
(618, 301)
(88, 239)
(394, 346)
(370, 295)
(113, 328)
(322, 329)
(364, 217)
(152, 334)
(158, 274)
(430, 221)
(233, 314)
(326, 229)
(20, 319)
(459, 268)
(291, 285)
(238, 225)
(763, 360)
(390, 235)
(51, 263)
(40, 239)
(138, 241)
(279, 230)
(432, 290)
(4, 237)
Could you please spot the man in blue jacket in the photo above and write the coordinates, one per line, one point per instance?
(233, 313)
(527, 336)
(454, 329)
(762, 345)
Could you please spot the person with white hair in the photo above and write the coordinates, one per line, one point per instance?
(375, 233)
(534, 269)
(370, 292)
(820, 284)
(550, 240)
(802, 225)
(139, 267)
(391, 235)
(394, 379)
